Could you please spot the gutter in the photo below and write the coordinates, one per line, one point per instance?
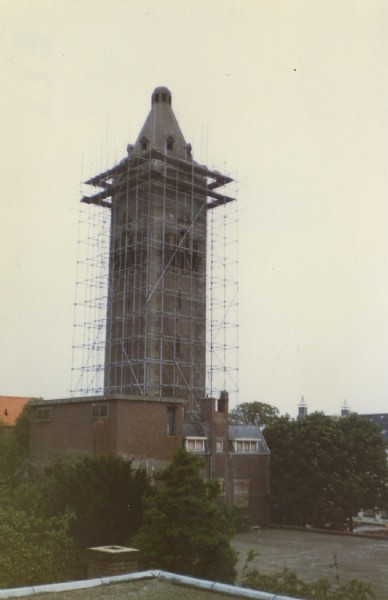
(192, 582)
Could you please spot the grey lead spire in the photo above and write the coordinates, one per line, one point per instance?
(161, 130)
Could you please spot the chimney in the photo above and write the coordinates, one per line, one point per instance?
(208, 407)
(107, 561)
(223, 403)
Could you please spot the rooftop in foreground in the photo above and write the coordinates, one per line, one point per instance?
(148, 585)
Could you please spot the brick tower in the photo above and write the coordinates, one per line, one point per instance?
(156, 316)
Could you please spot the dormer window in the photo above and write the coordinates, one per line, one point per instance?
(170, 143)
(195, 444)
(246, 446)
(144, 143)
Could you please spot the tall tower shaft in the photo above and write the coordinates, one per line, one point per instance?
(159, 198)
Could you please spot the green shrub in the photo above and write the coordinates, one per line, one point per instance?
(34, 550)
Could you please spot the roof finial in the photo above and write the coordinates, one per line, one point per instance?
(161, 95)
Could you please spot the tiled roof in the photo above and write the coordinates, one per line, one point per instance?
(193, 429)
(10, 408)
(249, 432)
(236, 432)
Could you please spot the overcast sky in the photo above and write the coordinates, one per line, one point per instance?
(289, 97)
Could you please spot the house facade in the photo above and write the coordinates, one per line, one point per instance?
(148, 432)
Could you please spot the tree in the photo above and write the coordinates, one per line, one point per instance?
(105, 494)
(325, 469)
(34, 550)
(185, 528)
(255, 413)
(14, 447)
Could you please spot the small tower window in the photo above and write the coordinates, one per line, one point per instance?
(164, 97)
(156, 97)
(144, 143)
(170, 143)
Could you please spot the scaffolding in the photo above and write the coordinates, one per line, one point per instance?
(156, 310)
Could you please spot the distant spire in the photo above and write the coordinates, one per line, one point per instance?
(345, 410)
(302, 409)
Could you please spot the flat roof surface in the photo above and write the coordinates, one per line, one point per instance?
(311, 555)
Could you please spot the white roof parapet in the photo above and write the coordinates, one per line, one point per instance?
(211, 586)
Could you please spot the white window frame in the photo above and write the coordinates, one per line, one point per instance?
(244, 446)
(219, 446)
(198, 444)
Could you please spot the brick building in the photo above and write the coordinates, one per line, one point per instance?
(149, 431)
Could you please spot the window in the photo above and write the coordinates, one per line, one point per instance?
(171, 420)
(43, 414)
(177, 347)
(241, 492)
(195, 445)
(179, 300)
(222, 485)
(170, 143)
(219, 446)
(245, 446)
(100, 411)
(181, 252)
(144, 143)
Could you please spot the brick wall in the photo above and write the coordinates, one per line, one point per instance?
(255, 470)
(132, 428)
(142, 429)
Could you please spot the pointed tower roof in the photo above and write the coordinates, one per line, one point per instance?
(161, 130)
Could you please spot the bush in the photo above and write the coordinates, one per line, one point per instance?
(287, 582)
(105, 494)
(34, 550)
